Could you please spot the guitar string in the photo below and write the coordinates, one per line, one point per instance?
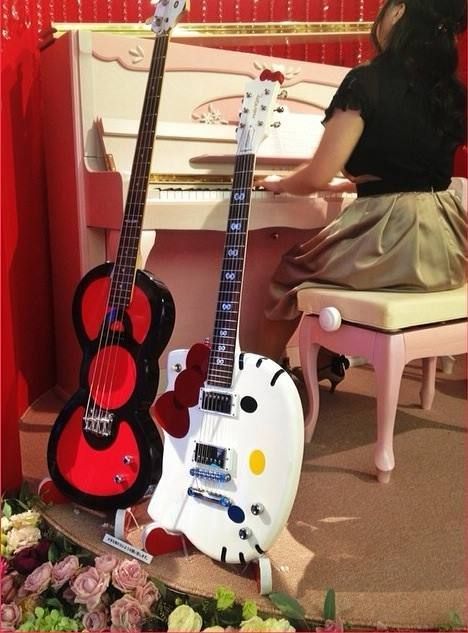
(114, 300)
(131, 236)
(239, 210)
(230, 290)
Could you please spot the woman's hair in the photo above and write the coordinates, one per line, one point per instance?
(423, 40)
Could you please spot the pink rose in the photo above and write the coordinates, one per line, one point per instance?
(38, 580)
(126, 614)
(95, 620)
(147, 595)
(64, 570)
(128, 575)
(10, 616)
(8, 587)
(88, 587)
(106, 563)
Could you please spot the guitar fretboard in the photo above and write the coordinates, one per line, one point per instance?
(222, 354)
(126, 261)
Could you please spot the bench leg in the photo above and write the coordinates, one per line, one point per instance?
(308, 352)
(428, 382)
(389, 362)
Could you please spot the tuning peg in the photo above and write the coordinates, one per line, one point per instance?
(276, 124)
(279, 109)
(283, 94)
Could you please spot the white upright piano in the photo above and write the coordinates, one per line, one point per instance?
(93, 87)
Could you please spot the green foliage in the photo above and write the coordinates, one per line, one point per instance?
(6, 510)
(288, 606)
(249, 610)
(49, 620)
(329, 605)
(454, 623)
(224, 598)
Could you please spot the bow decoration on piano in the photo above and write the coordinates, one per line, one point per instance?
(257, 111)
(166, 14)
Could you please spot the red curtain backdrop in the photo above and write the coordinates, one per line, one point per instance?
(26, 312)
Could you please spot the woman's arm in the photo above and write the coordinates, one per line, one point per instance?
(340, 136)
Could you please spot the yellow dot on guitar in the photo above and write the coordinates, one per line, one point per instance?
(257, 462)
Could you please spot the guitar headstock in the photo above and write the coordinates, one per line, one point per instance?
(257, 111)
(166, 14)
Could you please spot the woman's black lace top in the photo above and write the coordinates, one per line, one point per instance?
(401, 142)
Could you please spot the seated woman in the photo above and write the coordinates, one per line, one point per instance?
(392, 128)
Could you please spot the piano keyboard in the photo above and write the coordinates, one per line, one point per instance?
(196, 209)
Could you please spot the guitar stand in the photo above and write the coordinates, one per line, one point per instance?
(48, 492)
(153, 538)
(263, 575)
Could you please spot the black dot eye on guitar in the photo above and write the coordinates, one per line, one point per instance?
(104, 449)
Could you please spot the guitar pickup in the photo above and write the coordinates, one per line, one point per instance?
(223, 402)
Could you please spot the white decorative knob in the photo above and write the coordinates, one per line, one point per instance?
(329, 319)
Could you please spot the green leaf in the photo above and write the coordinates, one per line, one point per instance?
(53, 553)
(24, 493)
(54, 603)
(6, 510)
(329, 606)
(288, 606)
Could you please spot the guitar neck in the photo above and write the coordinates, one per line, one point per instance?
(225, 335)
(127, 253)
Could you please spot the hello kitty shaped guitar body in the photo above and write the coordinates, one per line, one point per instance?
(232, 421)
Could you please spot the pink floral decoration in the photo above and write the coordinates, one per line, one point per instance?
(106, 563)
(38, 580)
(64, 570)
(128, 575)
(8, 587)
(88, 587)
(126, 614)
(331, 626)
(10, 616)
(147, 595)
(95, 620)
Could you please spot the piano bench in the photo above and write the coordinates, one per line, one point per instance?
(389, 329)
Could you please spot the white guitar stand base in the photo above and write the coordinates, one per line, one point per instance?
(264, 576)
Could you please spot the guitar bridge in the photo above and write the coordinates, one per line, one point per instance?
(99, 424)
(213, 401)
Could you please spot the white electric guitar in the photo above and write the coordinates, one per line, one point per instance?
(233, 421)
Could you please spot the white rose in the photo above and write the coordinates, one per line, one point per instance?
(24, 537)
(253, 624)
(184, 618)
(5, 524)
(24, 519)
(272, 624)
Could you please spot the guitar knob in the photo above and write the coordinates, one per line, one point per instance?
(244, 533)
(257, 508)
(128, 459)
(177, 367)
(119, 479)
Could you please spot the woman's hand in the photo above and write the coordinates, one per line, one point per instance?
(271, 183)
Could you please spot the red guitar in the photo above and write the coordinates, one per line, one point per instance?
(104, 450)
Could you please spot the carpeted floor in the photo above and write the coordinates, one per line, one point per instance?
(393, 553)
